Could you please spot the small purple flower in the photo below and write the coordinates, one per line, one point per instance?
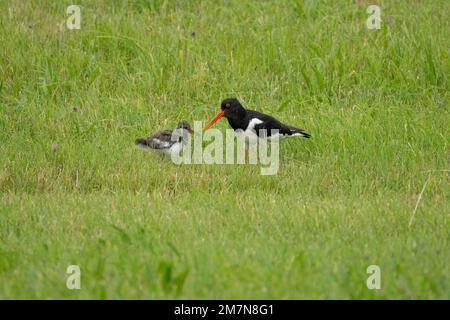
(387, 19)
(74, 109)
(54, 146)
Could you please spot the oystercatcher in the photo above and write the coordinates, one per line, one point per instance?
(167, 142)
(253, 124)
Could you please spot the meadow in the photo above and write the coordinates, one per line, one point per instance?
(371, 187)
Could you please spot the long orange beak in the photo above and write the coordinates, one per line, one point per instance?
(213, 120)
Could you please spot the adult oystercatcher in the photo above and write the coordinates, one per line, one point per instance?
(167, 142)
(253, 124)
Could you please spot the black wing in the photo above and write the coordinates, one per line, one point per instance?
(269, 123)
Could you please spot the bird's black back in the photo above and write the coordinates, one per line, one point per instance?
(269, 123)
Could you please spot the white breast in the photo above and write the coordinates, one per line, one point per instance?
(252, 124)
(250, 132)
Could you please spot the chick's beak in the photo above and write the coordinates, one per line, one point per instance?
(213, 120)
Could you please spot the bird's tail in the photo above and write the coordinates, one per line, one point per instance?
(299, 132)
(141, 142)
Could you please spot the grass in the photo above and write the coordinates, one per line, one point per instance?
(375, 101)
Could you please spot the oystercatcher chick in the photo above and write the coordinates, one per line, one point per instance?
(167, 142)
(253, 124)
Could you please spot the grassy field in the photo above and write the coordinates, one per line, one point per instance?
(74, 190)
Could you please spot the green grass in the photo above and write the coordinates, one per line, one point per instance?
(375, 101)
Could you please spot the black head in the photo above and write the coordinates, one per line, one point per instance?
(231, 106)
